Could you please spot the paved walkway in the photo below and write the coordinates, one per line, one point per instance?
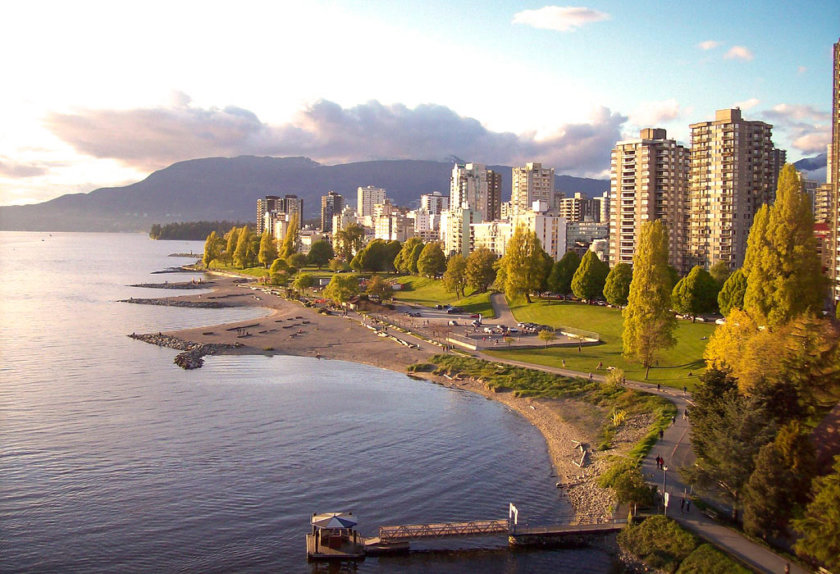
(675, 448)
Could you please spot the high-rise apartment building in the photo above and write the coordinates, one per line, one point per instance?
(331, 204)
(265, 205)
(434, 202)
(531, 183)
(474, 187)
(833, 174)
(648, 181)
(734, 171)
(580, 208)
(366, 198)
(274, 207)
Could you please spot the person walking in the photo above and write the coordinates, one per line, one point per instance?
(688, 505)
(661, 434)
(682, 504)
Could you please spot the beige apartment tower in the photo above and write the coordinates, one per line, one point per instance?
(531, 183)
(734, 171)
(474, 187)
(833, 176)
(648, 181)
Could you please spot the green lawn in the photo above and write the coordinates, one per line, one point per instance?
(675, 364)
(430, 292)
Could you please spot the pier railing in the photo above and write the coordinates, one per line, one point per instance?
(440, 530)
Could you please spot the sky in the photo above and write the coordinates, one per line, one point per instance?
(103, 93)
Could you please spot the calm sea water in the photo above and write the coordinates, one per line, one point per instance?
(114, 459)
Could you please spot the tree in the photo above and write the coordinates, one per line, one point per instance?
(320, 253)
(819, 529)
(547, 336)
(617, 285)
(296, 260)
(783, 269)
(338, 265)
(379, 287)
(290, 240)
(349, 241)
(415, 258)
(727, 431)
(523, 265)
(432, 261)
(304, 281)
(480, 273)
(562, 272)
(648, 323)
(720, 272)
(696, 293)
(268, 249)
(341, 288)
(232, 238)
(588, 281)
(455, 276)
(243, 255)
(731, 295)
(376, 256)
(212, 248)
(402, 262)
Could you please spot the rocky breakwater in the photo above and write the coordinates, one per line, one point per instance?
(192, 355)
(176, 285)
(177, 303)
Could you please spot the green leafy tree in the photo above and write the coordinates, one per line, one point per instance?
(524, 264)
(402, 262)
(415, 258)
(547, 336)
(783, 269)
(349, 241)
(296, 261)
(720, 272)
(455, 276)
(378, 287)
(338, 265)
(213, 246)
(617, 285)
(268, 249)
(432, 261)
(231, 239)
(320, 253)
(243, 255)
(341, 288)
(819, 529)
(648, 322)
(291, 239)
(659, 542)
(376, 256)
(590, 277)
(727, 432)
(392, 249)
(480, 272)
(562, 273)
(696, 293)
(304, 281)
(279, 272)
(731, 295)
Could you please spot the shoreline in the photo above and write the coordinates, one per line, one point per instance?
(292, 329)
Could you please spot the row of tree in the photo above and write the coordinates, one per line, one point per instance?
(773, 371)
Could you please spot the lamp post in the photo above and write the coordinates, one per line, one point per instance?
(664, 491)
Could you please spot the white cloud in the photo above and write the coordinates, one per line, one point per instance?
(653, 114)
(808, 129)
(709, 45)
(561, 18)
(739, 53)
(748, 104)
(151, 138)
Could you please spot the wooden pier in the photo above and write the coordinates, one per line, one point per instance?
(441, 530)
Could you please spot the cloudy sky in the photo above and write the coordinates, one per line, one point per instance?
(103, 93)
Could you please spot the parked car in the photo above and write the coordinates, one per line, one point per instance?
(454, 310)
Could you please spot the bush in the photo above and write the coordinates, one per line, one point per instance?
(629, 485)
(659, 542)
(709, 560)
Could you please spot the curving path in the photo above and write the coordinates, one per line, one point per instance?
(675, 448)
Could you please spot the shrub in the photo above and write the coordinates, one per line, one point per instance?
(709, 560)
(659, 542)
(625, 478)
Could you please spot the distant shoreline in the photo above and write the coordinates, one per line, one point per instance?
(292, 329)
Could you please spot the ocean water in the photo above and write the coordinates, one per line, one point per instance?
(114, 459)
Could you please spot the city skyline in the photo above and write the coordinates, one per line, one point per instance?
(105, 94)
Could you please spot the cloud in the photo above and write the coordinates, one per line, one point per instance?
(709, 45)
(748, 104)
(14, 169)
(652, 114)
(739, 53)
(808, 129)
(561, 18)
(325, 131)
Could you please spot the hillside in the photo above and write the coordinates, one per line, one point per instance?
(228, 188)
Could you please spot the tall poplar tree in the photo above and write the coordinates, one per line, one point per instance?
(242, 253)
(455, 276)
(523, 266)
(784, 274)
(290, 241)
(232, 239)
(268, 249)
(648, 322)
(590, 277)
(731, 295)
(212, 248)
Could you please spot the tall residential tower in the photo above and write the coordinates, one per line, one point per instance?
(532, 183)
(474, 187)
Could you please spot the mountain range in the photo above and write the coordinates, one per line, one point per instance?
(228, 188)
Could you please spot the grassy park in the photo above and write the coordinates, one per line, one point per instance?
(430, 292)
(675, 364)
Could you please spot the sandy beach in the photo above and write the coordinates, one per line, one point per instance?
(292, 329)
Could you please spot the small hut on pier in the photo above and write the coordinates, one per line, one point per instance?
(333, 537)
